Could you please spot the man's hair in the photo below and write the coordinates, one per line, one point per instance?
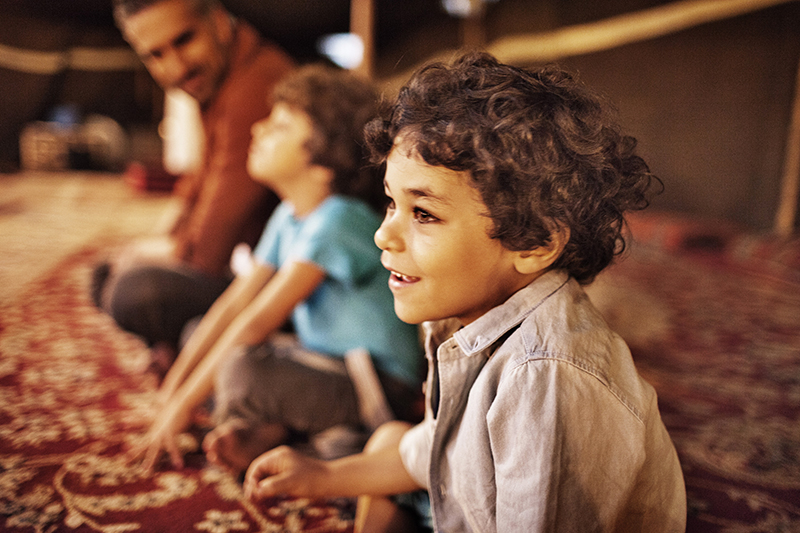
(339, 105)
(542, 150)
(125, 8)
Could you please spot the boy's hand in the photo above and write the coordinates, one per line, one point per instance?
(283, 470)
(162, 436)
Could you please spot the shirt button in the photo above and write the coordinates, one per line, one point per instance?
(442, 491)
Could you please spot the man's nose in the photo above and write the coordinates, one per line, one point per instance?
(174, 66)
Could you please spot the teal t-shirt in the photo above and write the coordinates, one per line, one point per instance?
(353, 307)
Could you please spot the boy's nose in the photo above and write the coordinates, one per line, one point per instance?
(258, 127)
(386, 238)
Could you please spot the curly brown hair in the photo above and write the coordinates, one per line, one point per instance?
(339, 104)
(543, 151)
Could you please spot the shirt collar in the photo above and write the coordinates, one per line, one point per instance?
(487, 329)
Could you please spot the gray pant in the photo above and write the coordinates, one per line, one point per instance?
(279, 383)
(306, 392)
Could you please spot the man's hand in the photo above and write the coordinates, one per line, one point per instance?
(283, 470)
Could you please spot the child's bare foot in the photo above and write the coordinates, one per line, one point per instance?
(234, 443)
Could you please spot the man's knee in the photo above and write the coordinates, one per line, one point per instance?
(134, 293)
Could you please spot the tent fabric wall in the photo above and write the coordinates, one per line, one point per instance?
(48, 62)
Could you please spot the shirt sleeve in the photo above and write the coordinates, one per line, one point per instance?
(227, 197)
(415, 452)
(267, 249)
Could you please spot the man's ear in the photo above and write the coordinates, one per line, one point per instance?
(223, 24)
(540, 258)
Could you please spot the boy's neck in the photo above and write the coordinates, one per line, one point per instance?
(307, 191)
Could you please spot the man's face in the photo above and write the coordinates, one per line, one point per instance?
(181, 48)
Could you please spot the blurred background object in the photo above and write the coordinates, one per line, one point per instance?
(707, 86)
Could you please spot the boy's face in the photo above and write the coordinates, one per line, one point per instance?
(278, 151)
(181, 48)
(435, 244)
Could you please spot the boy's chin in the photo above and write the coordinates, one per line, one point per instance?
(411, 320)
(259, 178)
(412, 316)
(407, 316)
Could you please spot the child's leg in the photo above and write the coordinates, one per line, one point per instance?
(264, 393)
(234, 443)
(382, 514)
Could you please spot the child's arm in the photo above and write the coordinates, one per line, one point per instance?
(225, 309)
(377, 471)
(291, 284)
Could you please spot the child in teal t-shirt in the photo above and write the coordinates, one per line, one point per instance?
(338, 237)
(315, 265)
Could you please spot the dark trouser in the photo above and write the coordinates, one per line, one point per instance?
(156, 302)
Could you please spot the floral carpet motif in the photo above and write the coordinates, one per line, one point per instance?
(71, 398)
(713, 320)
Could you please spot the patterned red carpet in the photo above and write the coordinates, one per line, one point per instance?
(71, 396)
(713, 319)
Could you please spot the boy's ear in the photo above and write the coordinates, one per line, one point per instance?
(540, 258)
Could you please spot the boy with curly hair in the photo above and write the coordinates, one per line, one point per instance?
(507, 192)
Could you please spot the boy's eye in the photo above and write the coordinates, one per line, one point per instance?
(424, 217)
(389, 200)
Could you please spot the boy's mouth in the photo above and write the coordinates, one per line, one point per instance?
(402, 278)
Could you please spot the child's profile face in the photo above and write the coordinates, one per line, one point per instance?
(278, 150)
(435, 244)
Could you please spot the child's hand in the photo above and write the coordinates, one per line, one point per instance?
(283, 470)
(162, 436)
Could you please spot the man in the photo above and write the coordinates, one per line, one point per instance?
(154, 288)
